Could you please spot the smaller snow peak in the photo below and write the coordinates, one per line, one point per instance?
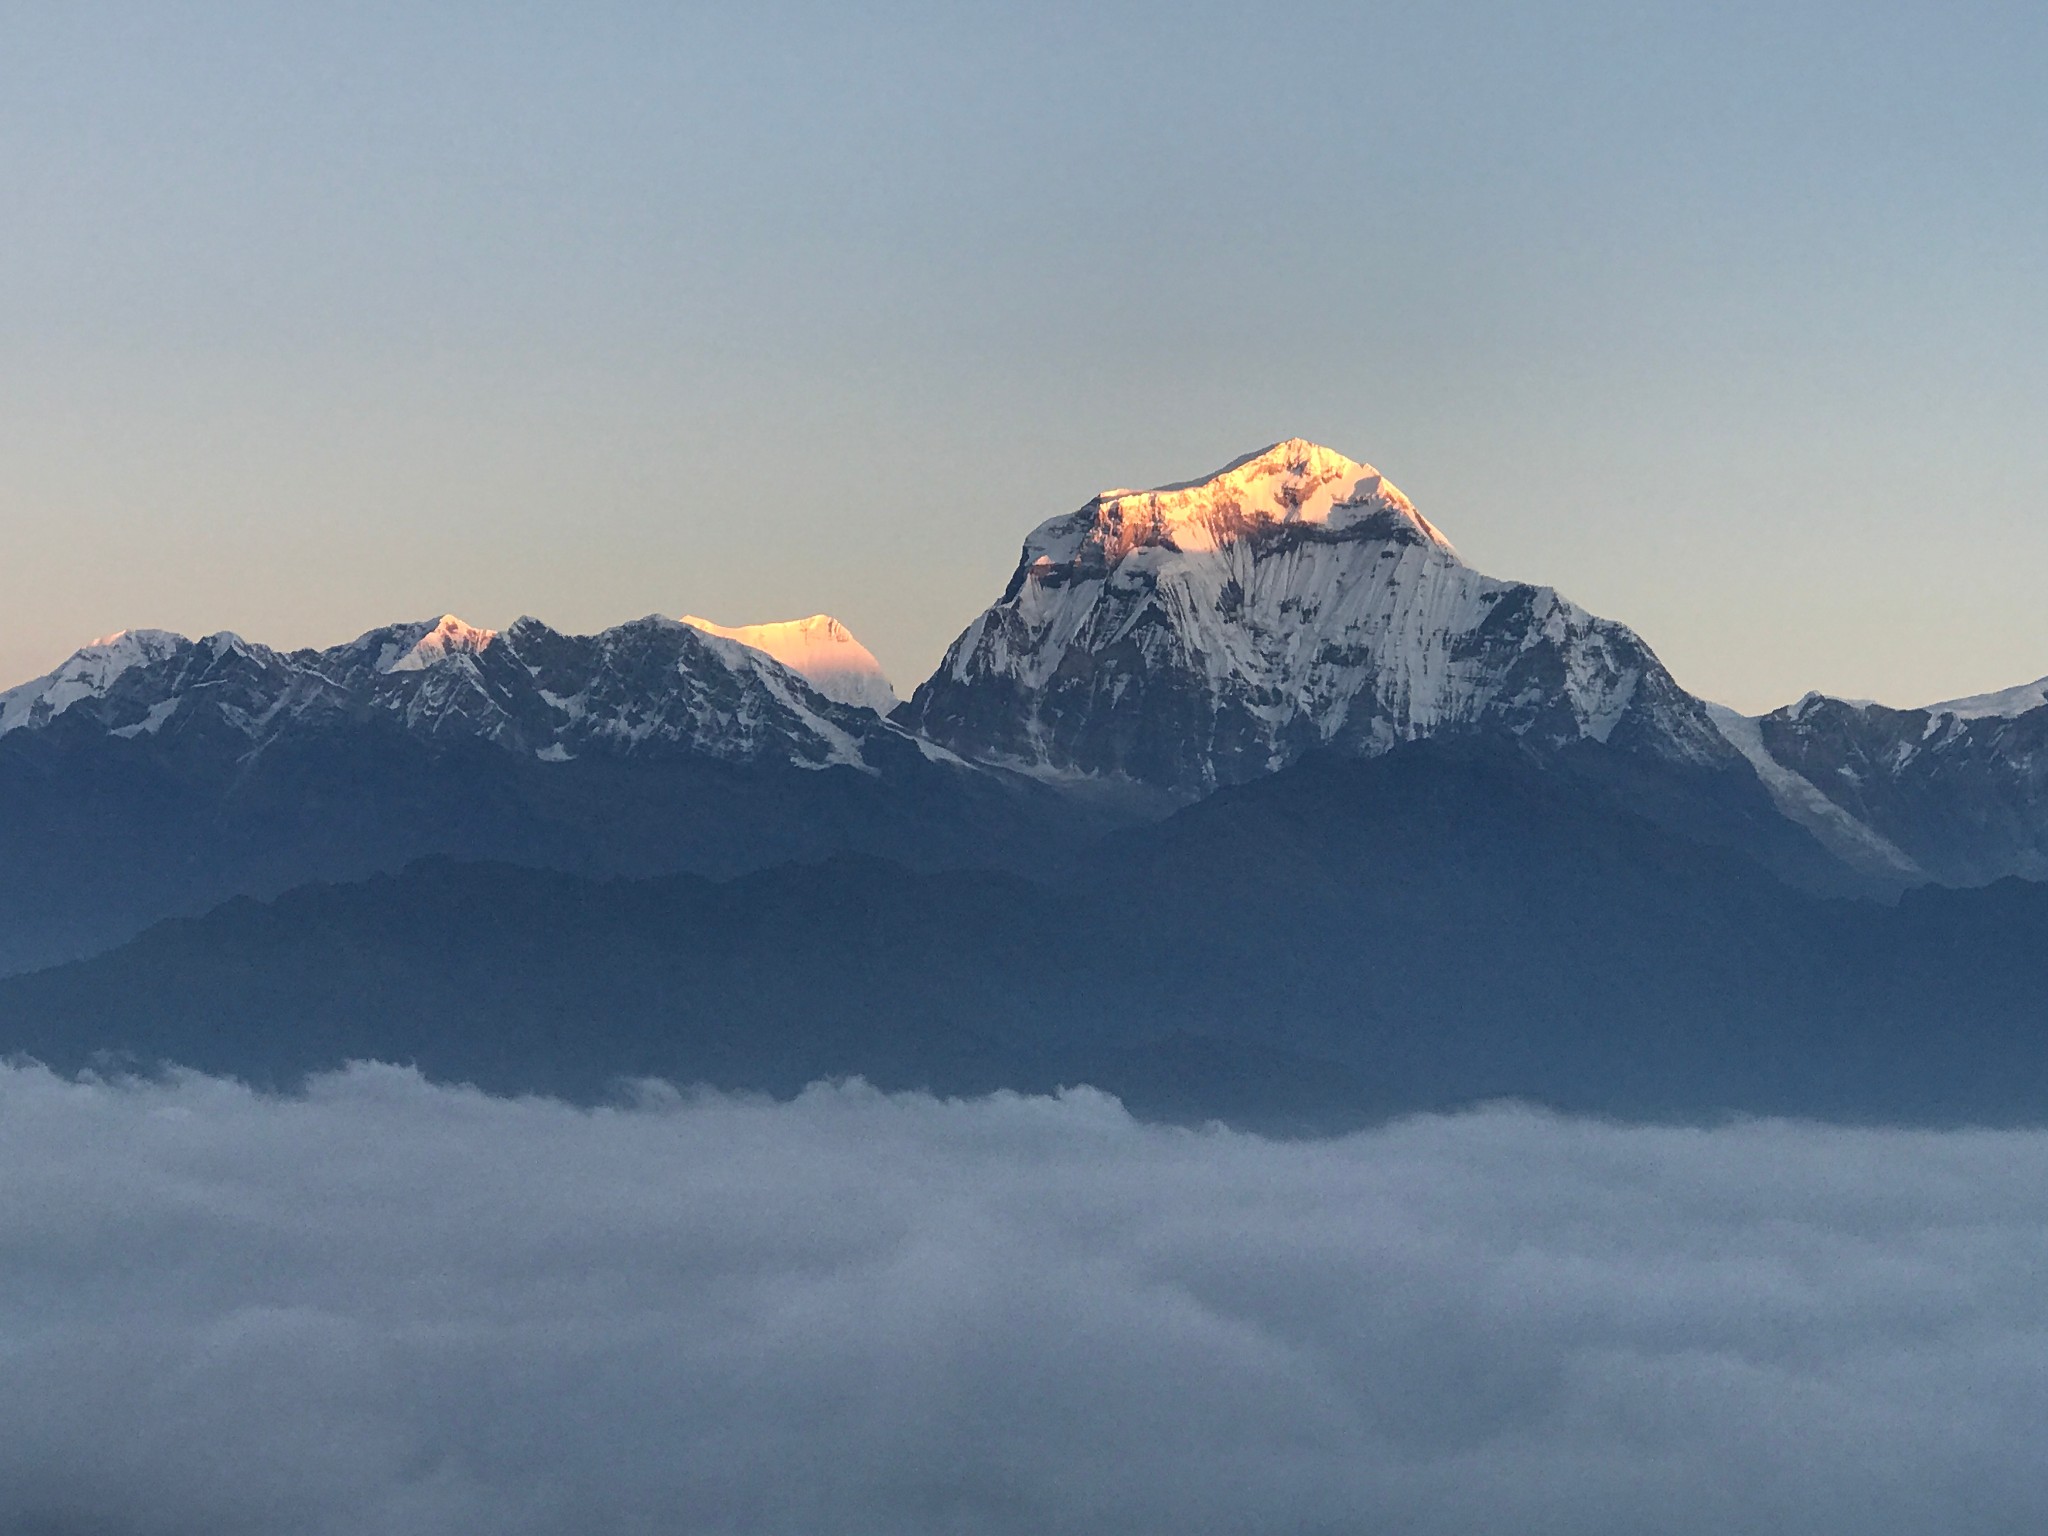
(1814, 699)
(817, 626)
(88, 673)
(438, 641)
(451, 633)
(819, 649)
(94, 667)
(129, 646)
(226, 643)
(132, 645)
(2005, 704)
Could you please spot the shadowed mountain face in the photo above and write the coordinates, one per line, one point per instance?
(1341, 940)
(1955, 793)
(102, 837)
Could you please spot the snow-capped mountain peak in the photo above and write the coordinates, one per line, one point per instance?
(437, 641)
(87, 674)
(1295, 484)
(1215, 630)
(821, 650)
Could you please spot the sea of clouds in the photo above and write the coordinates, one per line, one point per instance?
(391, 1307)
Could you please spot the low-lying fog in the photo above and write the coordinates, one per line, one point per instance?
(394, 1307)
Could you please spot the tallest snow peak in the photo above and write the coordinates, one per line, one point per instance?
(1210, 632)
(1292, 483)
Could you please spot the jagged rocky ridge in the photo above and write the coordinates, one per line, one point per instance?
(648, 687)
(1955, 793)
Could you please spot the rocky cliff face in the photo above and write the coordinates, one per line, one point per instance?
(1955, 792)
(1208, 633)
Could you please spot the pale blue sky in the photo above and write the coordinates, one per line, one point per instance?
(1731, 322)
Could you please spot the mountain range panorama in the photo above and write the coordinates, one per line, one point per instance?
(1168, 640)
(1152, 650)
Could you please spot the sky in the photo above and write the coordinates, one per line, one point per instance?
(1731, 322)
(392, 1309)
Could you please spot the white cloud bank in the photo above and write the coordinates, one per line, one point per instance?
(389, 1307)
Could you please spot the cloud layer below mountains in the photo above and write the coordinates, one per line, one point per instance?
(389, 1307)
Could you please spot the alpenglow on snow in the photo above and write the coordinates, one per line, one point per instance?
(1213, 631)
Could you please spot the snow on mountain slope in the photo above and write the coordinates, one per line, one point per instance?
(1861, 847)
(449, 637)
(1215, 630)
(822, 650)
(1960, 788)
(2006, 704)
(88, 674)
(653, 685)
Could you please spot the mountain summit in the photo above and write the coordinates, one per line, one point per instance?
(1295, 483)
(1215, 630)
(819, 649)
